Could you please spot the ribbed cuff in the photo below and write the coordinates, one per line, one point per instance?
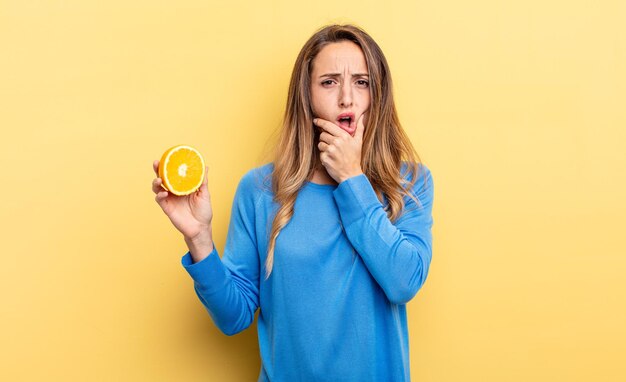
(354, 196)
(209, 273)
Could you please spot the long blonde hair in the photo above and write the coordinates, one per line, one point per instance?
(385, 145)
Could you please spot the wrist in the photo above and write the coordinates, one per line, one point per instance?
(200, 246)
(350, 175)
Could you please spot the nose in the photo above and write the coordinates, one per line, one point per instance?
(345, 95)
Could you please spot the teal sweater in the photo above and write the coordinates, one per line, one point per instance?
(333, 308)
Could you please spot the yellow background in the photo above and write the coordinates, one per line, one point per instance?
(518, 108)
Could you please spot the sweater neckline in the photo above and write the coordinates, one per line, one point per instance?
(318, 186)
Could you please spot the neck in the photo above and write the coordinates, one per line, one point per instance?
(320, 176)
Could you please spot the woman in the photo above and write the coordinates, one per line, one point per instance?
(333, 238)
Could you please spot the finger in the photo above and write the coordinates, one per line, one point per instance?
(155, 167)
(360, 127)
(205, 183)
(322, 146)
(160, 197)
(329, 127)
(323, 159)
(326, 138)
(157, 185)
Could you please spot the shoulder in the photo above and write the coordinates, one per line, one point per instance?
(418, 171)
(421, 178)
(257, 181)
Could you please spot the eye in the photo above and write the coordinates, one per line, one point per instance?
(363, 83)
(327, 82)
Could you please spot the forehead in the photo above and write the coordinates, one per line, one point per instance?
(339, 56)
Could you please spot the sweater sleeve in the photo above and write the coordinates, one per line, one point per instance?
(229, 287)
(398, 254)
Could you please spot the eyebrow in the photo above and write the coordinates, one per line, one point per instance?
(339, 75)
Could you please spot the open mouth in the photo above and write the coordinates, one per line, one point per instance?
(346, 121)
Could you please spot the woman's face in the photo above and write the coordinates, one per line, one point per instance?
(340, 85)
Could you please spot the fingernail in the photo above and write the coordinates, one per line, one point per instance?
(314, 120)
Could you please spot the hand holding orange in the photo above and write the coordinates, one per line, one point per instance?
(182, 170)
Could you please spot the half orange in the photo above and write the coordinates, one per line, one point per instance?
(182, 170)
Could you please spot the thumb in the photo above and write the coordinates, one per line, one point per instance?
(204, 185)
